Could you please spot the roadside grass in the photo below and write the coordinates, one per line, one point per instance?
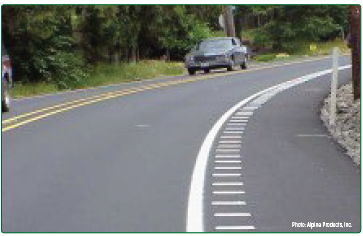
(265, 57)
(104, 74)
(32, 89)
(110, 74)
(299, 50)
(322, 48)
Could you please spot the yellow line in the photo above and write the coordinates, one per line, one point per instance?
(122, 93)
(10, 120)
(49, 108)
(106, 96)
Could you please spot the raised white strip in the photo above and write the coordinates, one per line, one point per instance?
(231, 137)
(230, 141)
(229, 146)
(235, 128)
(233, 132)
(227, 150)
(244, 113)
(227, 156)
(239, 118)
(228, 192)
(236, 124)
(226, 174)
(194, 222)
(232, 214)
(228, 203)
(238, 121)
(228, 167)
(227, 184)
(235, 227)
(227, 161)
(249, 108)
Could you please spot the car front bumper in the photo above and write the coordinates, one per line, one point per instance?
(208, 65)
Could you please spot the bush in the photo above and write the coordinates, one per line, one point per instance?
(67, 70)
(42, 47)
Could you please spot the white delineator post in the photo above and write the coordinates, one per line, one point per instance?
(334, 85)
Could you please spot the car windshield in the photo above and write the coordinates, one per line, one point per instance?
(215, 44)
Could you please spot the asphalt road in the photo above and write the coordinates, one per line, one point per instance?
(125, 163)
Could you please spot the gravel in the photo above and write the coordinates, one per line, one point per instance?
(347, 128)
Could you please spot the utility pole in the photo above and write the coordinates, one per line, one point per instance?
(229, 22)
(355, 45)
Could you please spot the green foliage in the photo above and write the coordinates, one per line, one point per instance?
(60, 44)
(284, 27)
(179, 30)
(42, 48)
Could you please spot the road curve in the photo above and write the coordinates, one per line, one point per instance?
(124, 164)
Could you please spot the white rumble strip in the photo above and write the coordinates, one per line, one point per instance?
(228, 167)
(227, 161)
(228, 156)
(232, 197)
(228, 203)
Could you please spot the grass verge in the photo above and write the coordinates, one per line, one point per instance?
(105, 74)
(304, 50)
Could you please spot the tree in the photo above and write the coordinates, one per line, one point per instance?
(281, 29)
(41, 44)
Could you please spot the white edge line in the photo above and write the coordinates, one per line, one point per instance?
(195, 221)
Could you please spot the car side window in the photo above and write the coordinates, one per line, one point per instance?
(234, 42)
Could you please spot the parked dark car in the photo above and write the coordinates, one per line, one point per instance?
(214, 53)
(6, 80)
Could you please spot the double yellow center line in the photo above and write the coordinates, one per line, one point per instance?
(26, 118)
(29, 117)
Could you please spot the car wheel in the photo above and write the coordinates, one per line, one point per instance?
(230, 68)
(206, 71)
(5, 103)
(244, 65)
(191, 71)
(232, 65)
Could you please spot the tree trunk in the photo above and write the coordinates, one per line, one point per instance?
(355, 44)
(167, 55)
(133, 54)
